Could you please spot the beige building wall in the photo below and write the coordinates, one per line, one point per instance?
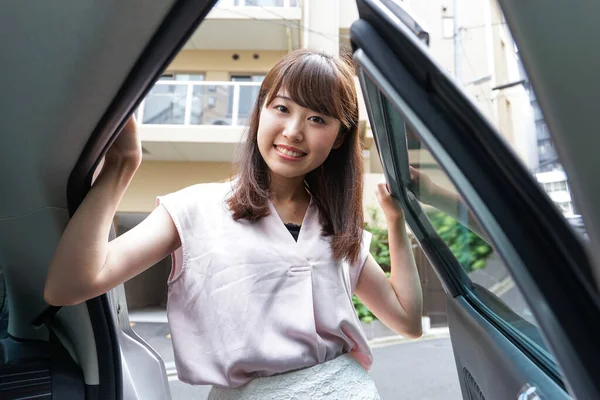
(322, 18)
(219, 65)
(156, 178)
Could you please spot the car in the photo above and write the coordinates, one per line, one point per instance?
(527, 327)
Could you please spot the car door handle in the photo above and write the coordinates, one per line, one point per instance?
(529, 393)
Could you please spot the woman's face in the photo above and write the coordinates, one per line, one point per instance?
(294, 140)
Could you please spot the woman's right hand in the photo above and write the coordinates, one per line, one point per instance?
(127, 148)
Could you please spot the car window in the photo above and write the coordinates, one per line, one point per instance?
(491, 288)
(481, 56)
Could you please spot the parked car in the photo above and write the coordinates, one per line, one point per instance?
(534, 334)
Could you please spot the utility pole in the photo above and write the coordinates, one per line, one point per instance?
(457, 42)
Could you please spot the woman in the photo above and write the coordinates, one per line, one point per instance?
(265, 265)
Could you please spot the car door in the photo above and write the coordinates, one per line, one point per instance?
(522, 304)
(72, 76)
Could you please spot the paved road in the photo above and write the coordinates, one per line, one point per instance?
(416, 370)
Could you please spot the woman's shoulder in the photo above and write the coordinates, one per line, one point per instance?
(203, 194)
(216, 189)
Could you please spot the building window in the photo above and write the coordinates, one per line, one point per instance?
(447, 27)
(566, 207)
(182, 77)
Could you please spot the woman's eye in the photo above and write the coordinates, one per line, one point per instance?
(318, 120)
(281, 108)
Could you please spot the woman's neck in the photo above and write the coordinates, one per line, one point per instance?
(288, 190)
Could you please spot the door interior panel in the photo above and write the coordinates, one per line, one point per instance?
(489, 365)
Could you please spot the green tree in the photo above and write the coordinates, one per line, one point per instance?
(469, 249)
(380, 250)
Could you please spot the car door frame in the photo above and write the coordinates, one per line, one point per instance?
(555, 281)
(108, 312)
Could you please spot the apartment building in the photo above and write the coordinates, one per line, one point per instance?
(193, 119)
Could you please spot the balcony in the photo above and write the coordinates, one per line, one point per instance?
(250, 25)
(258, 3)
(195, 120)
(198, 103)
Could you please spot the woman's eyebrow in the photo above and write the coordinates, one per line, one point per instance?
(283, 97)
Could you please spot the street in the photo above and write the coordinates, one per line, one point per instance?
(420, 369)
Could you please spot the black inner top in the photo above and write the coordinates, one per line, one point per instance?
(294, 230)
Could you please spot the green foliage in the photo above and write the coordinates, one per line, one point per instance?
(380, 248)
(469, 249)
(364, 314)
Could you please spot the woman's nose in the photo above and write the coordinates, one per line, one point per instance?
(294, 130)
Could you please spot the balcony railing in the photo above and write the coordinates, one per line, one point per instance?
(258, 3)
(198, 103)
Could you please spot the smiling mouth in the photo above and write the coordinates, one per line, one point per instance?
(289, 153)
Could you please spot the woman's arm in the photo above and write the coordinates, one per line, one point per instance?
(85, 264)
(397, 301)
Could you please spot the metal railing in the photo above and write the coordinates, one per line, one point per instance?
(258, 3)
(198, 103)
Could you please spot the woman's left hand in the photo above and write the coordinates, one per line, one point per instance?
(391, 208)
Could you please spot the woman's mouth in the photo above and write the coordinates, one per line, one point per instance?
(288, 153)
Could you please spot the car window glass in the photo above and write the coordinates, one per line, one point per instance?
(481, 55)
(493, 289)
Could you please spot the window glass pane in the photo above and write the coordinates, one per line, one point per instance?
(263, 3)
(182, 77)
(189, 77)
(165, 104)
(210, 105)
(458, 227)
(248, 95)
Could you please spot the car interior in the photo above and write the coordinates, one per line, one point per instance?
(73, 74)
(90, 66)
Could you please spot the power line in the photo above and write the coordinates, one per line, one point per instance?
(483, 25)
(482, 93)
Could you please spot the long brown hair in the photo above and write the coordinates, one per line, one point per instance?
(325, 84)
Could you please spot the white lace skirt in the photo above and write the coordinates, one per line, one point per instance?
(340, 379)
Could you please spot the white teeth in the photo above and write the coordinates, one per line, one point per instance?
(289, 152)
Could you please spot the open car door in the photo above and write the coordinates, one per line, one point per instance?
(522, 302)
